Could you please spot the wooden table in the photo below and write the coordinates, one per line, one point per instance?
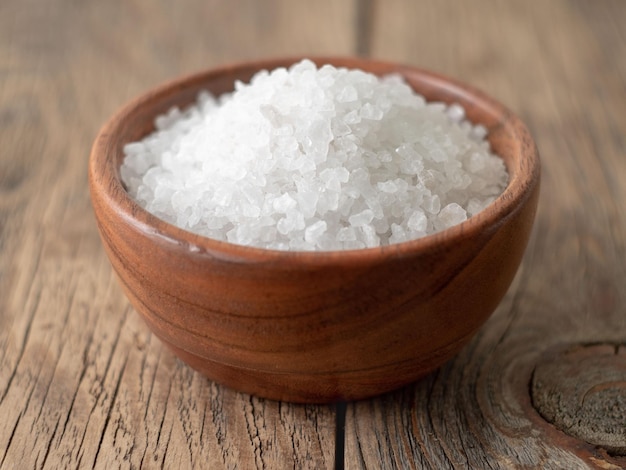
(84, 384)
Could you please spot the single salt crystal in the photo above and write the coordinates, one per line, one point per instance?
(456, 113)
(333, 177)
(313, 232)
(431, 203)
(450, 215)
(418, 221)
(381, 226)
(478, 133)
(291, 222)
(314, 159)
(362, 218)
(284, 203)
(387, 186)
(352, 117)
(429, 178)
(370, 238)
(307, 202)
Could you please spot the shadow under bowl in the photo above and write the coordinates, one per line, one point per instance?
(315, 326)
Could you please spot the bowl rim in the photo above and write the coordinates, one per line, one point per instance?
(105, 179)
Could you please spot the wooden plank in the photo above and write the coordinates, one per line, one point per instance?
(82, 381)
(561, 66)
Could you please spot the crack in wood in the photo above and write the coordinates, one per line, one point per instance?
(340, 434)
(364, 13)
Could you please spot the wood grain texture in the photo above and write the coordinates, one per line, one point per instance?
(582, 391)
(84, 384)
(560, 65)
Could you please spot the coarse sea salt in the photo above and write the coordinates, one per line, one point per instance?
(311, 158)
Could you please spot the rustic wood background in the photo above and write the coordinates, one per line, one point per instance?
(84, 384)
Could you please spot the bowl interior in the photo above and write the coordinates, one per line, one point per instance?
(508, 138)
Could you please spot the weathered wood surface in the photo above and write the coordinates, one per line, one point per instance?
(84, 384)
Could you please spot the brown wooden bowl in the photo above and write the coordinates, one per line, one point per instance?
(315, 326)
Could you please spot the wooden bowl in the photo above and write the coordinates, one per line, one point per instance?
(315, 326)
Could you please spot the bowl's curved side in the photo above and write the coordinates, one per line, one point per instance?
(303, 335)
(315, 327)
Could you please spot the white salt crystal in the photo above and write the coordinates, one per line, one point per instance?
(362, 218)
(347, 94)
(456, 113)
(407, 152)
(387, 186)
(345, 234)
(431, 203)
(313, 232)
(418, 221)
(398, 234)
(284, 203)
(307, 202)
(438, 155)
(385, 156)
(476, 162)
(328, 202)
(478, 132)
(333, 177)
(370, 238)
(352, 117)
(340, 128)
(167, 120)
(314, 159)
(291, 222)
(249, 210)
(369, 111)
(450, 215)
(474, 206)
(381, 226)
(376, 207)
